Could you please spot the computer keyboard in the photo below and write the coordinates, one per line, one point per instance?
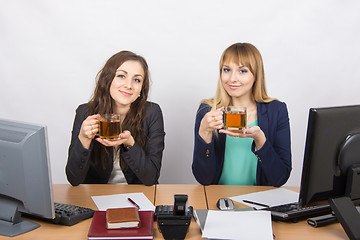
(292, 211)
(67, 214)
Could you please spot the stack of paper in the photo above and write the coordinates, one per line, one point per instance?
(250, 225)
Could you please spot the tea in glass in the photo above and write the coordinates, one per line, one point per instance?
(110, 126)
(235, 118)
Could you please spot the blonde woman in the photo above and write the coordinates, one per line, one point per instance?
(261, 155)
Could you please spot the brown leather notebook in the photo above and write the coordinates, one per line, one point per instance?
(122, 218)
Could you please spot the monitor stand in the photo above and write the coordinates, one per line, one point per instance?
(344, 208)
(347, 214)
(11, 223)
(349, 166)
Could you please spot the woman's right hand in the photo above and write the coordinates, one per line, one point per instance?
(88, 130)
(212, 120)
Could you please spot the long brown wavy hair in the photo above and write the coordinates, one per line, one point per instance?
(101, 101)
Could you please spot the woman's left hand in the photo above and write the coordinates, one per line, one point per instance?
(124, 138)
(254, 132)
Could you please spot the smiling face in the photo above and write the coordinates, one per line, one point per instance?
(237, 80)
(126, 86)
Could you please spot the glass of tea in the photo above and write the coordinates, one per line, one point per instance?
(235, 118)
(110, 126)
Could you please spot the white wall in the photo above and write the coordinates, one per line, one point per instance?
(50, 52)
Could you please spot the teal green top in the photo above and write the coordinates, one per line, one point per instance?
(240, 163)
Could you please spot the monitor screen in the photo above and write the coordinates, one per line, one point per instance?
(328, 129)
(25, 180)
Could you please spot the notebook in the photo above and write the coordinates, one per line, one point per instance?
(98, 229)
(122, 218)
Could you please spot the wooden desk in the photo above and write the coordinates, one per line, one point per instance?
(80, 196)
(164, 194)
(196, 194)
(282, 230)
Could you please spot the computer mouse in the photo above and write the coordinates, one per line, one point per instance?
(225, 204)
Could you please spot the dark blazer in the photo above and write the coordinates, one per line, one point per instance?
(143, 164)
(274, 158)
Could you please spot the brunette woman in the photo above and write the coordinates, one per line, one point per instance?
(135, 158)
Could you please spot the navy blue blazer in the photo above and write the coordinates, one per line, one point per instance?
(274, 158)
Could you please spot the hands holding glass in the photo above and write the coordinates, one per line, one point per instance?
(231, 120)
(235, 125)
(235, 119)
(108, 128)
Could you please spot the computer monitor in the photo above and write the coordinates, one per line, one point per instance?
(329, 132)
(331, 168)
(25, 179)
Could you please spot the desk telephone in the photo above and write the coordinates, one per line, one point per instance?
(174, 220)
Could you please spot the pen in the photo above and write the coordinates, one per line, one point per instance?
(255, 203)
(132, 201)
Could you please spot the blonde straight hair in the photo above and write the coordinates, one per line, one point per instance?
(247, 55)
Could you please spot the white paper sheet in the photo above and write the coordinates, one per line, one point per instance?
(274, 197)
(121, 200)
(249, 225)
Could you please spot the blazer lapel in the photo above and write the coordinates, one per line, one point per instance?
(263, 119)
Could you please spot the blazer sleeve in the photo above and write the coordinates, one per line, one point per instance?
(146, 162)
(78, 162)
(204, 157)
(275, 156)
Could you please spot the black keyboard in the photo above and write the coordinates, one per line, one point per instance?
(67, 214)
(292, 211)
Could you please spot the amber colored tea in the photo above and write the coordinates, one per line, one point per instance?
(110, 127)
(235, 121)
